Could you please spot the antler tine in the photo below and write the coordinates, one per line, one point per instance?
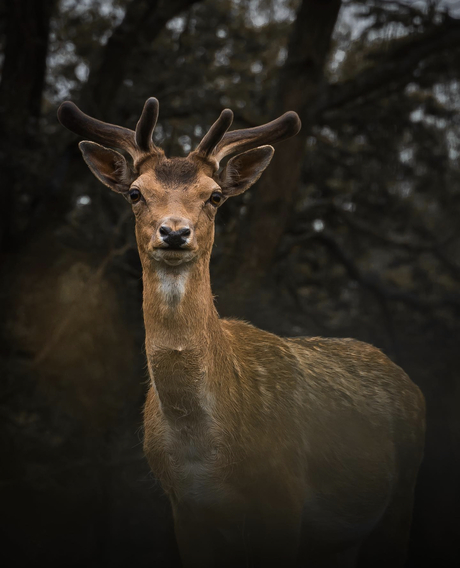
(283, 127)
(215, 133)
(74, 119)
(146, 125)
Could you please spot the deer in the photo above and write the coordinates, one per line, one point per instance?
(273, 451)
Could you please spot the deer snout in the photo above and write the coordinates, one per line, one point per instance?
(174, 238)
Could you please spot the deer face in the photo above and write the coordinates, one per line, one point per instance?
(175, 203)
(175, 200)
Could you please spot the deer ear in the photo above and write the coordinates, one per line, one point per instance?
(108, 166)
(244, 170)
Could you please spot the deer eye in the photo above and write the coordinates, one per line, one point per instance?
(134, 195)
(216, 198)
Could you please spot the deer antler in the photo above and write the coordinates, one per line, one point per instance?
(146, 125)
(216, 144)
(215, 134)
(219, 143)
(135, 143)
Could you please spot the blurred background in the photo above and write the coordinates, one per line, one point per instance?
(353, 231)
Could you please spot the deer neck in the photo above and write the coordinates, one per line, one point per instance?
(178, 305)
(180, 323)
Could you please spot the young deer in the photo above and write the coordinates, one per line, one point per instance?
(272, 451)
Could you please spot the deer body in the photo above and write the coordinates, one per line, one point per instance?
(244, 427)
(271, 450)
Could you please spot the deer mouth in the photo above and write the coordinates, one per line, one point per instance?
(172, 257)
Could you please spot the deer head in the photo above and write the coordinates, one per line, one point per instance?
(175, 199)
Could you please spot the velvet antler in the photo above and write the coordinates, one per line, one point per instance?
(218, 143)
(135, 143)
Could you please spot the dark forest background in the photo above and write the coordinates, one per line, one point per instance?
(353, 231)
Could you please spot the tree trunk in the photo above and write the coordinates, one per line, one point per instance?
(300, 85)
(143, 21)
(24, 67)
(106, 77)
(21, 88)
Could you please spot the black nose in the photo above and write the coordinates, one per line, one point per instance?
(174, 239)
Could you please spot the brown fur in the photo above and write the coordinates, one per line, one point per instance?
(176, 173)
(271, 450)
(263, 442)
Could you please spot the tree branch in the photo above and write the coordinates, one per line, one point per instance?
(372, 282)
(398, 67)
